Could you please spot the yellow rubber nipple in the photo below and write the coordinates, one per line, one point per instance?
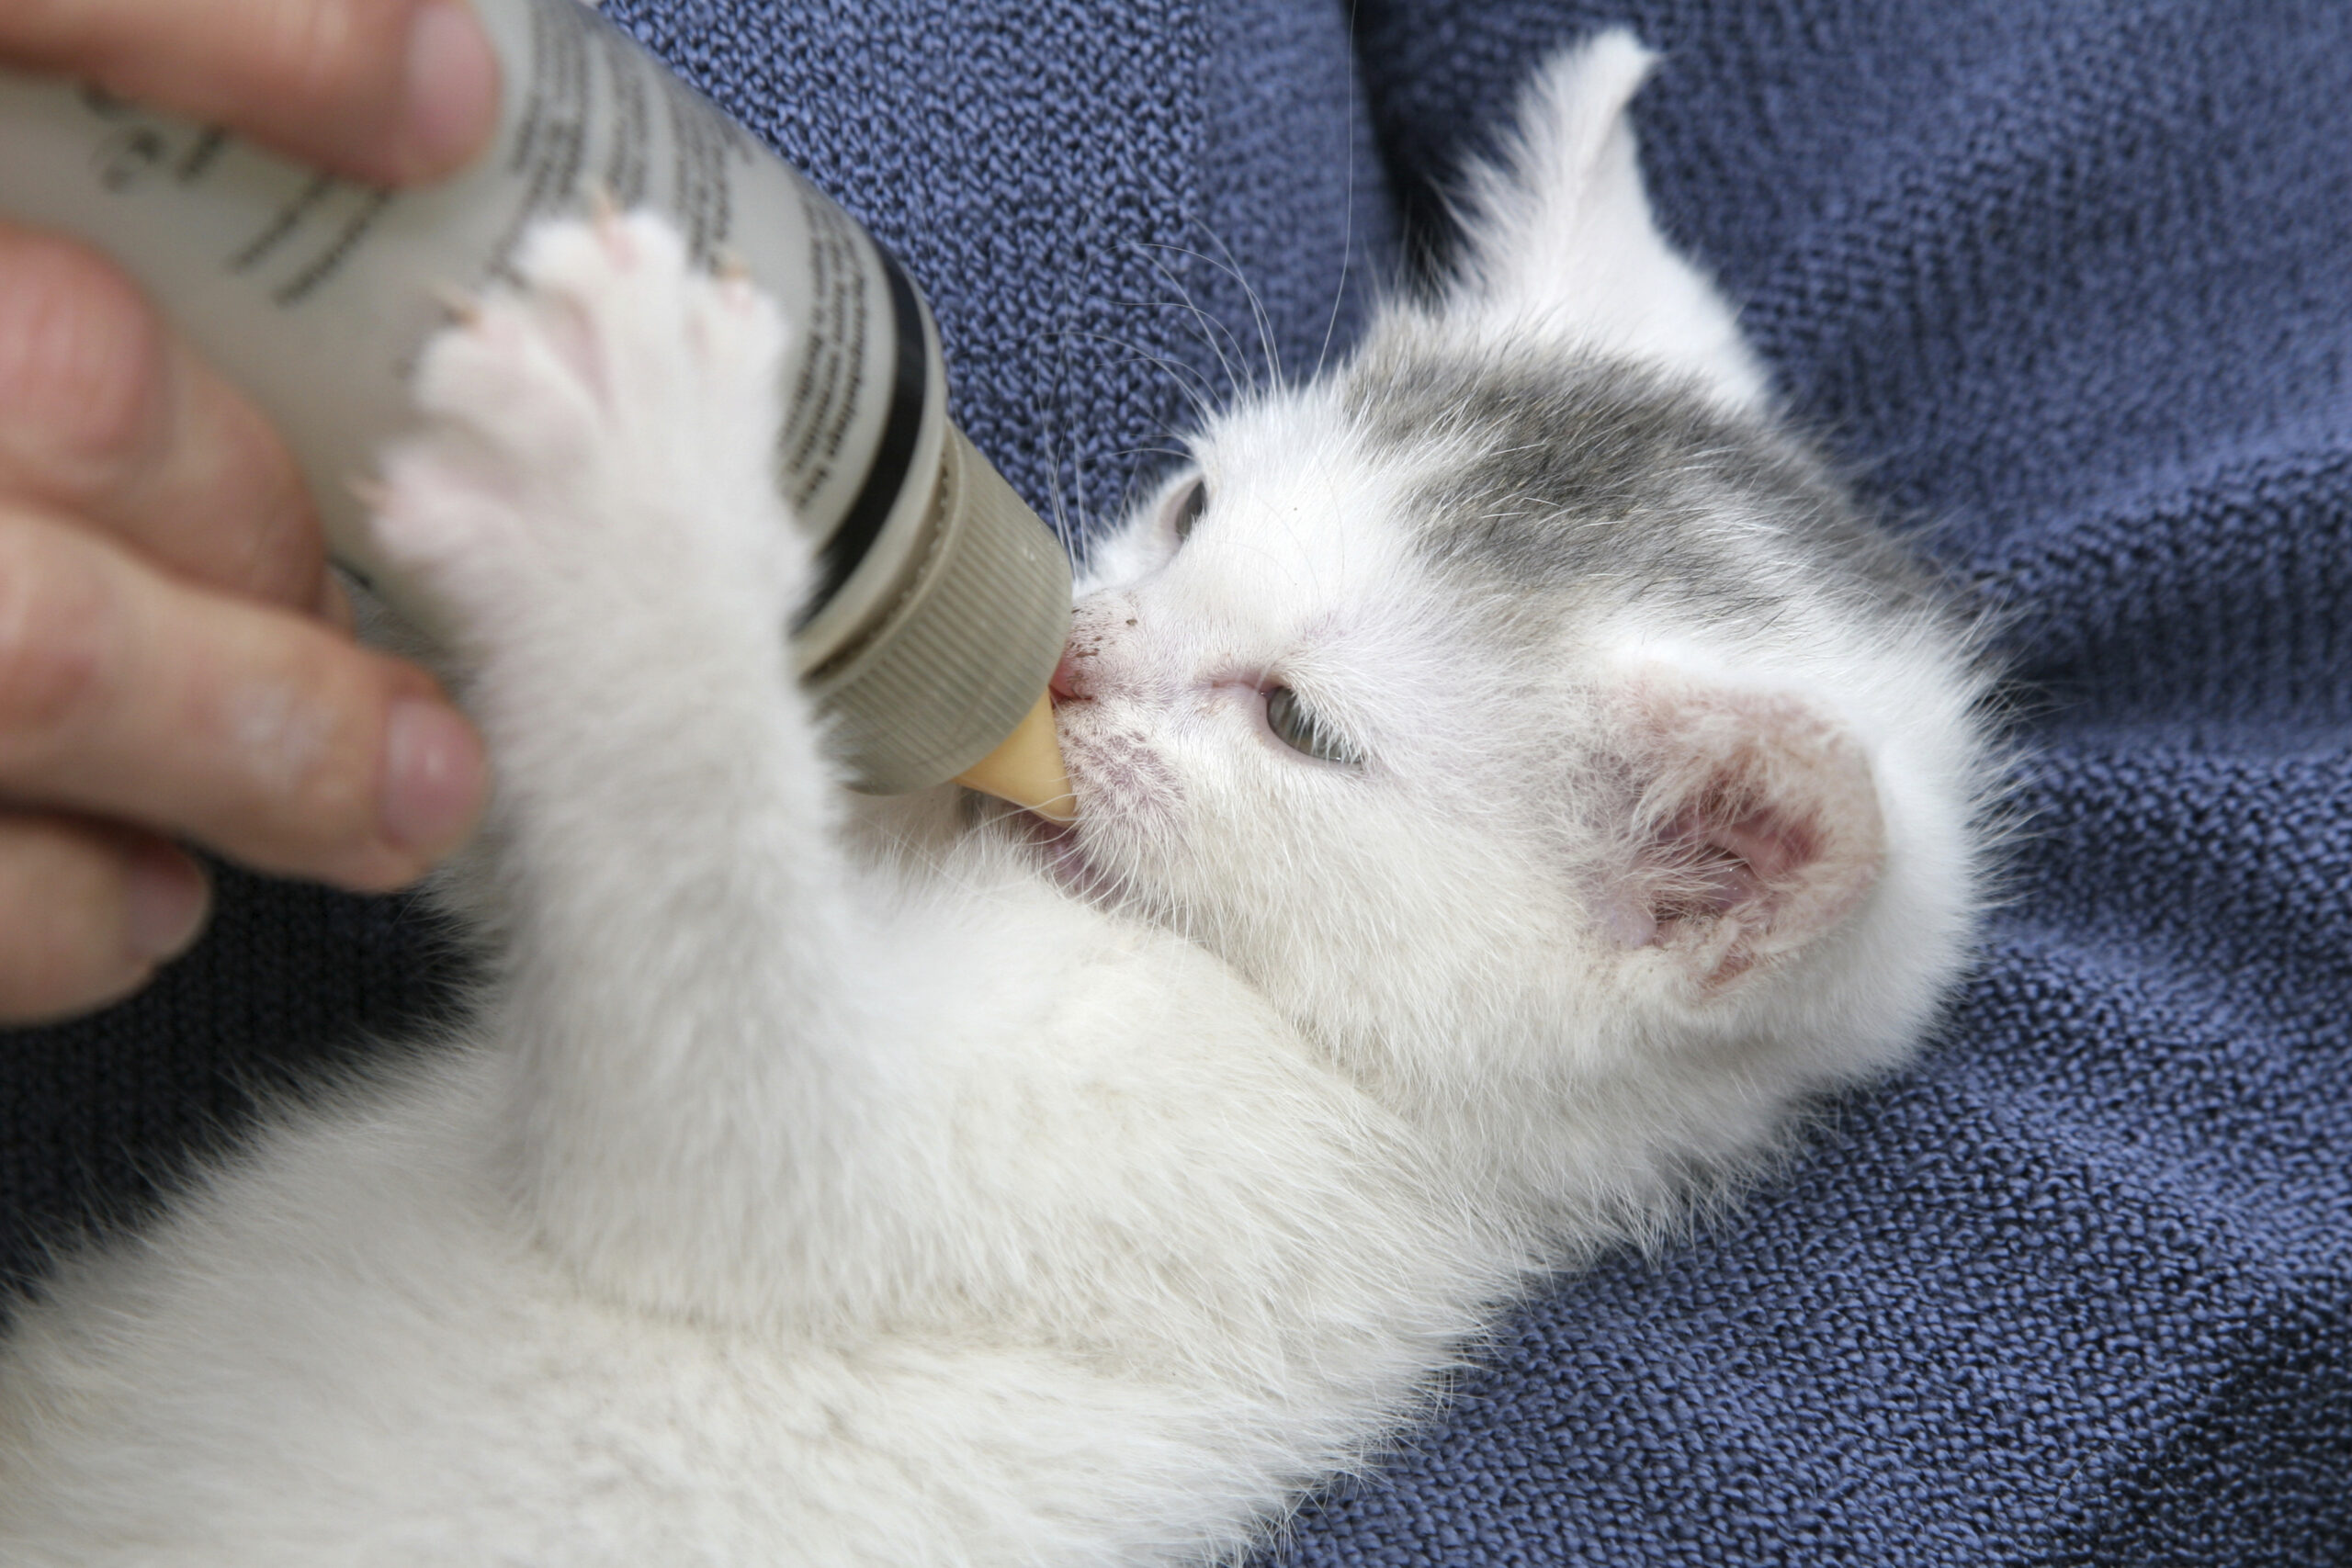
(1027, 769)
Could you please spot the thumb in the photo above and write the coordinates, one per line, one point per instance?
(381, 90)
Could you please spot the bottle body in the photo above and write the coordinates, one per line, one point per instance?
(313, 295)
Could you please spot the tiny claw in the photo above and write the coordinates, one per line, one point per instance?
(371, 494)
(602, 210)
(730, 267)
(464, 308)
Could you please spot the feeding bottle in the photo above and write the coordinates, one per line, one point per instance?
(942, 601)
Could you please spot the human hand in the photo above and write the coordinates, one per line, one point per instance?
(174, 658)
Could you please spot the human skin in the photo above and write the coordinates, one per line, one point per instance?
(176, 659)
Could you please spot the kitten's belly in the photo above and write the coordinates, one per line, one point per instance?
(341, 1354)
(606, 1443)
(351, 1338)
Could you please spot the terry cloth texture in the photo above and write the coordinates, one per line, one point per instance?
(2066, 280)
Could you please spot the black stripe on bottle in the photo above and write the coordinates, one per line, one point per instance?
(892, 456)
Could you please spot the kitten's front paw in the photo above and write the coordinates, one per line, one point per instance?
(603, 431)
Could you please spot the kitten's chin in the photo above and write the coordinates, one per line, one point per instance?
(1056, 849)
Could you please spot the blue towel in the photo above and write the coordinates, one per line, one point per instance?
(2066, 282)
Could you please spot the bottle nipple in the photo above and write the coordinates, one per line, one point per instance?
(1027, 769)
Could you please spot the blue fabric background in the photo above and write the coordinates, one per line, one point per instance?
(2066, 280)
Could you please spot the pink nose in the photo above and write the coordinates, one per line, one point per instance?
(1068, 684)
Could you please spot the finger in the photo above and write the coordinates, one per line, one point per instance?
(387, 90)
(127, 694)
(87, 911)
(110, 418)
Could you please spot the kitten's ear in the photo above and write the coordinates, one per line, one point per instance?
(1754, 830)
(1560, 236)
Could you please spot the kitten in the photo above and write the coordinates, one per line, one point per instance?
(1511, 777)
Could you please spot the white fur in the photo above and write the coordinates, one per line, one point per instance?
(827, 1183)
(1570, 247)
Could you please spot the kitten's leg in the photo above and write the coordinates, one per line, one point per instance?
(688, 988)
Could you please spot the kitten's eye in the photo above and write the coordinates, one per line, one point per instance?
(1187, 510)
(1297, 726)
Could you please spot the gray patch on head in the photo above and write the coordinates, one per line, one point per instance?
(1562, 481)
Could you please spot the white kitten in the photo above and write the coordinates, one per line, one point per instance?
(1511, 777)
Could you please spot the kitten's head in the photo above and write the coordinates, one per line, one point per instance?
(1523, 671)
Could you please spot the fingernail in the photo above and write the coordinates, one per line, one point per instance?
(452, 87)
(433, 777)
(164, 903)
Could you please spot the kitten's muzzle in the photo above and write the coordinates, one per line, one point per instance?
(1070, 682)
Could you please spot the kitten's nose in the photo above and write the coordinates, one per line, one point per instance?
(1093, 660)
(1068, 684)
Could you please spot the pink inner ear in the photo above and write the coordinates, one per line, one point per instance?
(1766, 847)
(1764, 833)
(1722, 859)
